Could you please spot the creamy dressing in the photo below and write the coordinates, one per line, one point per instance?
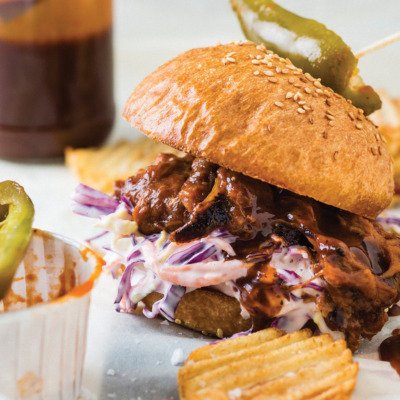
(295, 312)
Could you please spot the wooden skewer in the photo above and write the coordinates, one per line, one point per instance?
(378, 45)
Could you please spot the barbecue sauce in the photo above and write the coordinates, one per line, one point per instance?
(389, 350)
(56, 84)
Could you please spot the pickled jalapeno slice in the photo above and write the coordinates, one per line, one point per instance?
(16, 217)
(310, 46)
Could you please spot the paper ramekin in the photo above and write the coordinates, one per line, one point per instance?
(44, 320)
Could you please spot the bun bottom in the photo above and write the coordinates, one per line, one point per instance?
(207, 311)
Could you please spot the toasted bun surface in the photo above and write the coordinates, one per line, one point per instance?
(248, 110)
(207, 311)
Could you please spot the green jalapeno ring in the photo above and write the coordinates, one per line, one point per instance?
(16, 217)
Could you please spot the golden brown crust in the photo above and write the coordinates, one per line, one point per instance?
(207, 311)
(250, 111)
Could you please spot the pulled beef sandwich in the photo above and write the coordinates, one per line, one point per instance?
(269, 220)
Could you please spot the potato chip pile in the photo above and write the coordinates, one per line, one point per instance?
(388, 121)
(270, 364)
(100, 167)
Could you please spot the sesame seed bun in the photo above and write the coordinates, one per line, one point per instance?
(246, 109)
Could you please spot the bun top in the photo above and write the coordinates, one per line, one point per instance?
(246, 109)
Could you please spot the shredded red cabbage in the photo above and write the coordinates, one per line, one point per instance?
(92, 203)
(289, 276)
(168, 304)
(389, 220)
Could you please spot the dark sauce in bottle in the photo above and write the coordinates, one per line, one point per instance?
(55, 93)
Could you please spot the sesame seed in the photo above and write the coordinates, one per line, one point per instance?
(264, 61)
(269, 64)
(309, 77)
(330, 117)
(307, 108)
(311, 120)
(268, 73)
(335, 154)
(336, 95)
(289, 95)
(379, 150)
(330, 113)
(301, 102)
(178, 321)
(259, 57)
(384, 139)
(328, 102)
(359, 118)
(256, 72)
(278, 70)
(269, 52)
(319, 91)
(292, 67)
(255, 62)
(361, 111)
(307, 90)
(300, 111)
(199, 66)
(224, 61)
(231, 54)
(285, 71)
(297, 85)
(273, 80)
(351, 115)
(325, 135)
(291, 80)
(303, 79)
(278, 104)
(251, 56)
(317, 84)
(231, 59)
(331, 123)
(297, 96)
(297, 72)
(373, 151)
(220, 333)
(328, 93)
(358, 126)
(261, 47)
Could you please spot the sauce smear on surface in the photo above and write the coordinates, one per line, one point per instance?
(389, 350)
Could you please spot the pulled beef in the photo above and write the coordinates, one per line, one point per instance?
(358, 260)
(154, 192)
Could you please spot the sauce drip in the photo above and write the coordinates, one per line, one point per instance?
(394, 311)
(389, 350)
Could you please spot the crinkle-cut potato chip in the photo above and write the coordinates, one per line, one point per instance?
(270, 364)
(99, 167)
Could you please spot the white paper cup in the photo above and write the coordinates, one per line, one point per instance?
(44, 320)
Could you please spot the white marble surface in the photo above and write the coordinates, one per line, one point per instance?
(128, 357)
